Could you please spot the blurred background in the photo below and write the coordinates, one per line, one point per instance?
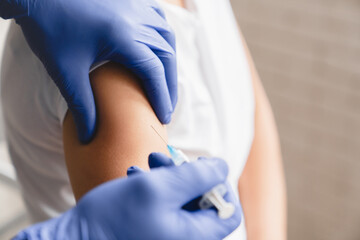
(307, 53)
(308, 56)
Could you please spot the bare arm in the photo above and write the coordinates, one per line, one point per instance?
(262, 185)
(124, 136)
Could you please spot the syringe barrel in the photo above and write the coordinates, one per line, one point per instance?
(177, 156)
(225, 210)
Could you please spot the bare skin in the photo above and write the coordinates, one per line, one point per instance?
(262, 183)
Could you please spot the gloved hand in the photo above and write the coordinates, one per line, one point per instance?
(145, 206)
(157, 160)
(70, 36)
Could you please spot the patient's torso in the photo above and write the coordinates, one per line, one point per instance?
(214, 115)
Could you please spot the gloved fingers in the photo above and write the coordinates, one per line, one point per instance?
(169, 36)
(228, 197)
(159, 160)
(147, 66)
(83, 109)
(74, 84)
(133, 170)
(155, 160)
(149, 35)
(155, 6)
(231, 197)
(159, 11)
(192, 180)
(214, 228)
(157, 23)
(167, 55)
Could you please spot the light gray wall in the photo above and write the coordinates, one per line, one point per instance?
(308, 56)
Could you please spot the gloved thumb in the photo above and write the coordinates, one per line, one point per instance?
(159, 160)
(155, 160)
(133, 170)
(75, 87)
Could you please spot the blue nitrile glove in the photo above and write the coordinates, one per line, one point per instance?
(69, 36)
(145, 206)
(157, 160)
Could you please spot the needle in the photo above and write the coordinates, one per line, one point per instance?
(159, 135)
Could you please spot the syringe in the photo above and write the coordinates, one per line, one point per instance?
(177, 156)
(213, 198)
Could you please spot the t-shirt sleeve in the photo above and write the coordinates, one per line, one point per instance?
(62, 109)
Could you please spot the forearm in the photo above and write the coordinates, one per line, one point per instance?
(262, 184)
(13, 8)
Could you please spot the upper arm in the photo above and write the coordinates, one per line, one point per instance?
(124, 136)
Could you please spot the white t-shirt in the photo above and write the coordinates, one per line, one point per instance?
(214, 114)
